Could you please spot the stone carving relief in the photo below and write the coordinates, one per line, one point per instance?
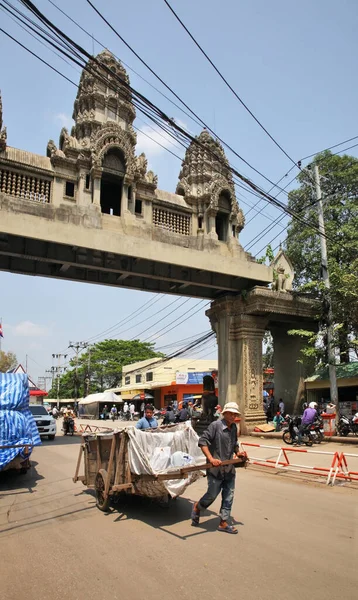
(52, 150)
(283, 271)
(141, 165)
(151, 178)
(112, 136)
(67, 140)
(254, 368)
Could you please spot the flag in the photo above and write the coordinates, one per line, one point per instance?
(1, 333)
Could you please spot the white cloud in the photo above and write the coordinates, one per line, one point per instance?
(65, 120)
(29, 329)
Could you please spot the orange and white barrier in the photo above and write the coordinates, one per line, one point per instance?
(336, 468)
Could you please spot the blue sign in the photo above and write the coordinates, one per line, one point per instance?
(195, 378)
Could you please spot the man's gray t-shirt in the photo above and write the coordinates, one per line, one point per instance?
(222, 443)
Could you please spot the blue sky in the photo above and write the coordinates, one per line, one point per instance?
(293, 64)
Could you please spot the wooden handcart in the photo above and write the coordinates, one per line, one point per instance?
(107, 469)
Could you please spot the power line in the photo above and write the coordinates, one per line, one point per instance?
(227, 83)
(126, 64)
(144, 307)
(331, 147)
(45, 20)
(181, 322)
(27, 3)
(152, 107)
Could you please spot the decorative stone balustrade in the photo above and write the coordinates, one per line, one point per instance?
(171, 221)
(22, 185)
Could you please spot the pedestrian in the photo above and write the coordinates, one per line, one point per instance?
(278, 420)
(148, 421)
(219, 443)
(183, 413)
(281, 406)
(269, 409)
(105, 412)
(131, 411)
(169, 416)
(55, 412)
(125, 411)
(142, 406)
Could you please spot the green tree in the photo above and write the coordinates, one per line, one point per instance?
(339, 183)
(8, 361)
(100, 367)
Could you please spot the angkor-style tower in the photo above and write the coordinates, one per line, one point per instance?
(101, 147)
(206, 183)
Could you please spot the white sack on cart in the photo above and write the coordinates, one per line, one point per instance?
(144, 446)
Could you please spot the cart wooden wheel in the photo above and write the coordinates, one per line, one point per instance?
(101, 502)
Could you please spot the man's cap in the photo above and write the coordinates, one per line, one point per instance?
(231, 407)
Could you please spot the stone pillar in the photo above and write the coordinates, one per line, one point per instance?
(289, 372)
(96, 178)
(239, 339)
(212, 225)
(124, 199)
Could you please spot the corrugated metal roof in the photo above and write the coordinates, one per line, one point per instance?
(343, 371)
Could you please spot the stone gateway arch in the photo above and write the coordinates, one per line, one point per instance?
(91, 211)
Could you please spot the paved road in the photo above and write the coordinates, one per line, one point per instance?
(296, 540)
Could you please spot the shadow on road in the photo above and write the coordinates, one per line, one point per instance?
(162, 517)
(62, 440)
(19, 483)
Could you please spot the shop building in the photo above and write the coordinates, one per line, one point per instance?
(318, 387)
(169, 381)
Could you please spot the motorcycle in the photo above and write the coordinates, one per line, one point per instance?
(68, 426)
(290, 433)
(347, 425)
(316, 430)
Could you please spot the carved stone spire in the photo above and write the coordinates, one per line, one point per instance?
(205, 179)
(3, 135)
(102, 100)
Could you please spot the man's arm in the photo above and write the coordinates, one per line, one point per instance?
(204, 441)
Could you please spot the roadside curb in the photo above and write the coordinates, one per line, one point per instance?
(278, 436)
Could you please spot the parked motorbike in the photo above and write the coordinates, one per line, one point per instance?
(290, 433)
(347, 425)
(68, 426)
(316, 430)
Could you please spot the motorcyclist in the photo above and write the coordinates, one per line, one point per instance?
(68, 416)
(114, 412)
(309, 417)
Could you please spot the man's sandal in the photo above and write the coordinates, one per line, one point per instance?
(195, 517)
(228, 529)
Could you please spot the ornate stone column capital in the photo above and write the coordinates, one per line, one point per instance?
(247, 326)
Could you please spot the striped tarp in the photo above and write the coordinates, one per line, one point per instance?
(17, 425)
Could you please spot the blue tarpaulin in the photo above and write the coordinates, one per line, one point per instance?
(17, 425)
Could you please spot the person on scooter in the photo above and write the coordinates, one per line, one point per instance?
(309, 416)
(114, 412)
(68, 420)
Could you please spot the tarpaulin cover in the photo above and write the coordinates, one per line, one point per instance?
(150, 452)
(17, 425)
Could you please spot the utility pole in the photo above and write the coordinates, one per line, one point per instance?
(57, 371)
(325, 277)
(77, 347)
(88, 374)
